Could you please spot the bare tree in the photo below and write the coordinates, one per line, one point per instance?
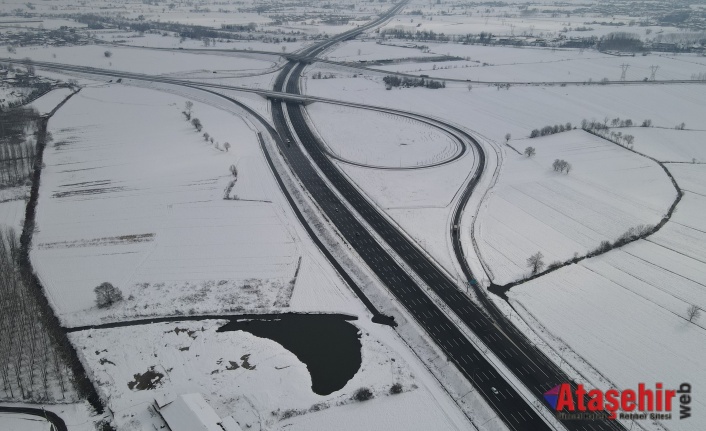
(206, 136)
(507, 137)
(233, 170)
(693, 312)
(629, 139)
(535, 262)
(188, 105)
(226, 145)
(197, 124)
(470, 87)
(108, 54)
(107, 295)
(530, 151)
(29, 66)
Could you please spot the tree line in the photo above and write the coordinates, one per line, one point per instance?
(17, 149)
(33, 349)
(395, 81)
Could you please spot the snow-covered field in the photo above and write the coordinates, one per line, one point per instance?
(633, 301)
(157, 41)
(669, 145)
(379, 139)
(518, 110)
(506, 64)
(238, 373)
(534, 208)
(131, 194)
(369, 50)
(45, 104)
(24, 422)
(138, 60)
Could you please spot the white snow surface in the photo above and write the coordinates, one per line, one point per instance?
(380, 139)
(49, 101)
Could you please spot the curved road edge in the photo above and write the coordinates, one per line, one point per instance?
(53, 418)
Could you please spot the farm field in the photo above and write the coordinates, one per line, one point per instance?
(493, 113)
(545, 65)
(534, 208)
(669, 145)
(140, 60)
(636, 298)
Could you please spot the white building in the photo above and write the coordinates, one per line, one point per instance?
(191, 412)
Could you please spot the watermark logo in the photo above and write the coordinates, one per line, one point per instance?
(643, 403)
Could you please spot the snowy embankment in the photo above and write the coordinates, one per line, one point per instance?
(533, 208)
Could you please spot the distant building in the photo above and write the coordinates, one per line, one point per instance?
(191, 412)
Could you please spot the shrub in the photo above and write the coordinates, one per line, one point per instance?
(363, 394)
(396, 389)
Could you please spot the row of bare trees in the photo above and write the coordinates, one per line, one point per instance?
(18, 153)
(33, 363)
(16, 162)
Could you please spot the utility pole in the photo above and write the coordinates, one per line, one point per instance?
(653, 71)
(625, 69)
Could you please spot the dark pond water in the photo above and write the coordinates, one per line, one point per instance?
(328, 344)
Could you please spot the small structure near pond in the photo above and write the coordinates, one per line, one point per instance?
(191, 412)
